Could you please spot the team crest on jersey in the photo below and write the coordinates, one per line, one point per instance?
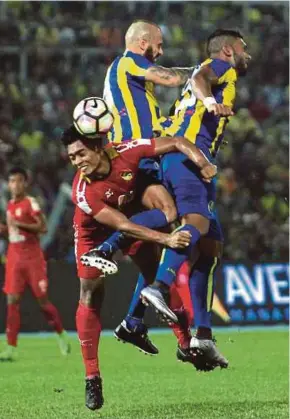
(127, 175)
(18, 212)
(109, 193)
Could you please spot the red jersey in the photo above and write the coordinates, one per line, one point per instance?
(23, 211)
(115, 190)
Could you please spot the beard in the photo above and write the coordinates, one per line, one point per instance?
(149, 55)
(241, 65)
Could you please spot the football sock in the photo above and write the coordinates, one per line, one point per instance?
(182, 285)
(137, 308)
(152, 219)
(52, 316)
(12, 323)
(201, 290)
(182, 329)
(88, 324)
(172, 259)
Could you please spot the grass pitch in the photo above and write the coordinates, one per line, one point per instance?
(42, 384)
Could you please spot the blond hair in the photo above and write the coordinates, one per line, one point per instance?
(140, 29)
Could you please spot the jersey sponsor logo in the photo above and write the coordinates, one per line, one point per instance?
(211, 207)
(109, 193)
(123, 112)
(127, 174)
(18, 212)
(132, 144)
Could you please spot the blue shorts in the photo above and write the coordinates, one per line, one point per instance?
(150, 168)
(215, 231)
(192, 195)
(148, 174)
(183, 180)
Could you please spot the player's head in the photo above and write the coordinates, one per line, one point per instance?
(84, 153)
(17, 181)
(145, 38)
(230, 45)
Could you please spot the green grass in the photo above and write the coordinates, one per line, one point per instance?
(41, 384)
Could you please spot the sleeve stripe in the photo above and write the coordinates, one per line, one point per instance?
(82, 203)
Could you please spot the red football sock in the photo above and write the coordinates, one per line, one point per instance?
(12, 323)
(52, 316)
(182, 329)
(182, 285)
(89, 329)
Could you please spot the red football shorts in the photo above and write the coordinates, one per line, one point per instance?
(85, 272)
(22, 271)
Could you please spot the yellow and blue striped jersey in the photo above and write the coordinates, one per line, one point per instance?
(191, 118)
(131, 98)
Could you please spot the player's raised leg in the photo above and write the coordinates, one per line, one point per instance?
(132, 329)
(171, 261)
(101, 257)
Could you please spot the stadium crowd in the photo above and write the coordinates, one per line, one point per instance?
(55, 53)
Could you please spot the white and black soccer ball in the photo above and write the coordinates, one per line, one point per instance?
(91, 117)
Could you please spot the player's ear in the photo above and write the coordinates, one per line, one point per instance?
(143, 44)
(228, 50)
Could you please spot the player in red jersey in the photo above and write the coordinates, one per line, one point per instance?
(103, 186)
(25, 265)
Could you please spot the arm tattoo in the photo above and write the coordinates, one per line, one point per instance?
(179, 73)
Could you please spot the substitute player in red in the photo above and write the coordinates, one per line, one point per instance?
(104, 185)
(25, 265)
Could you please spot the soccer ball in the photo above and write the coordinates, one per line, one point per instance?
(91, 117)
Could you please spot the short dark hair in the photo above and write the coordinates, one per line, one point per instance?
(71, 135)
(18, 171)
(219, 37)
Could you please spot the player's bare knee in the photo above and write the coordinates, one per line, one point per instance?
(198, 221)
(13, 298)
(156, 196)
(170, 213)
(89, 290)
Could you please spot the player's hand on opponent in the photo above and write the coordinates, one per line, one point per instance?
(208, 172)
(178, 239)
(219, 109)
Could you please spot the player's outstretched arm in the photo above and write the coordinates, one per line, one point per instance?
(168, 144)
(170, 77)
(202, 82)
(118, 221)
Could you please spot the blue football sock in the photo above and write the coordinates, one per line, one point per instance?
(152, 219)
(137, 308)
(172, 259)
(201, 284)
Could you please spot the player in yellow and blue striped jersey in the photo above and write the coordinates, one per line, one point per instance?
(201, 115)
(130, 81)
(129, 93)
